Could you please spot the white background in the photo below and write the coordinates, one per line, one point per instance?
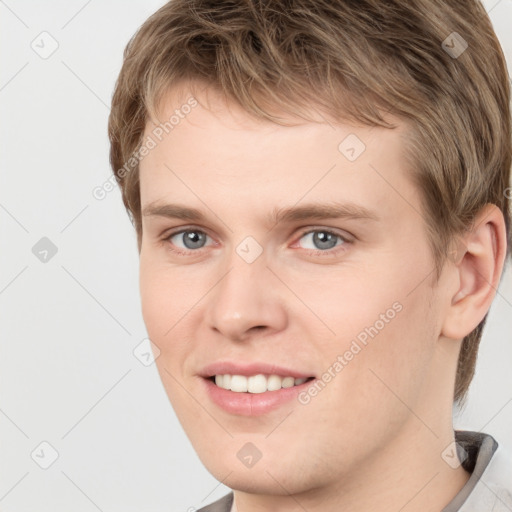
(68, 375)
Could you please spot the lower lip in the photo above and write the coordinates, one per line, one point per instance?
(252, 404)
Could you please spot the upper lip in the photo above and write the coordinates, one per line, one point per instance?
(248, 369)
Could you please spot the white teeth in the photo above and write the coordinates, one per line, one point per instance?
(288, 382)
(274, 383)
(238, 383)
(226, 381)
(256, 383)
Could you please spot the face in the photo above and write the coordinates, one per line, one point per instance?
(295, 252)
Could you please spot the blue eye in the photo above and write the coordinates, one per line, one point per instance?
(190, 239)
(323, 240)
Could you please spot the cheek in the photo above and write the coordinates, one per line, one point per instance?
(381, 324)
(154, 302)
(350, 303)
(171, 301)
(166, 310)
(166, 293)
(158, 302)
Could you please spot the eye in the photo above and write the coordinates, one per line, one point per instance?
(187, 240)
(322, 240)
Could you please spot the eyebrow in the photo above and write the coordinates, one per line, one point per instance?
(310, 211)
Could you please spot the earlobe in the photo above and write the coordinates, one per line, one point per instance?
(478, 267)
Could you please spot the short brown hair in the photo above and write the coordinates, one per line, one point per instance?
(352, 61)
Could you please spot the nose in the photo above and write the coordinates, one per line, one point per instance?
(247, 301)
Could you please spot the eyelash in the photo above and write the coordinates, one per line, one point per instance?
(316, 252)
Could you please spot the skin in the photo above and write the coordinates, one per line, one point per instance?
(376, 432)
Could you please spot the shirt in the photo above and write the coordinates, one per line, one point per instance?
(489, 488)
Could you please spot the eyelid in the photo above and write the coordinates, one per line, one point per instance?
(175, 231)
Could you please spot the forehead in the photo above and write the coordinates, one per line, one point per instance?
(207, 145)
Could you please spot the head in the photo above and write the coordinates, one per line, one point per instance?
(244, 110)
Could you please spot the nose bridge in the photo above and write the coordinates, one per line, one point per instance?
(245, 297)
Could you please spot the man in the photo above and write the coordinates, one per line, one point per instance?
(320, 192)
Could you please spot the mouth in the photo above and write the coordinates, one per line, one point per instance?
(259, 383)
(253, 388)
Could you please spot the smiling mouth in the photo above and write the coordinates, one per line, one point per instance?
(259, 383)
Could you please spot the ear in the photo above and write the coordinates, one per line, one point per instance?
(478, 265)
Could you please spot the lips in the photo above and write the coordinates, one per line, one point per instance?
(255, 401)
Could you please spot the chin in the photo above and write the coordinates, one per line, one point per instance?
(265, 478)
(252, 481)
